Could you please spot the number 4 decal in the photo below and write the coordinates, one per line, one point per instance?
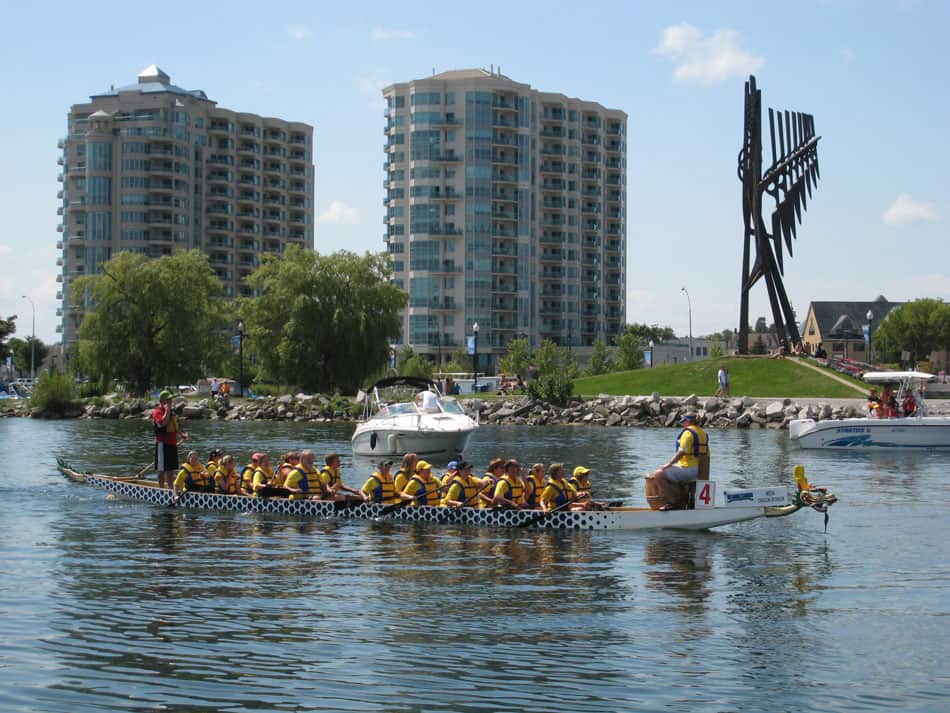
(705, 494)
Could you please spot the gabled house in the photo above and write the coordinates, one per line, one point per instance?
(839, 326)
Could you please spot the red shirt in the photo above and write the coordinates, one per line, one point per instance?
(168, 433)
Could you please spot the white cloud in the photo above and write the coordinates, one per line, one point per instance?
(336, 213)
(299, 32)
(906, 210)
(372, 86)
(382, 34)
(706, 59)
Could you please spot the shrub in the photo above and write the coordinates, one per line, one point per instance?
(54, 393)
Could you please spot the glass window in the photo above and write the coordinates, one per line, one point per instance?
(424, 255)
(99, 225)
(99, 156)
(99, 190)
(420, 98)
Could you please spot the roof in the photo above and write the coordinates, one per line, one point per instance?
(465, 74)
(100, 114)
(846, 319)
(152, 80)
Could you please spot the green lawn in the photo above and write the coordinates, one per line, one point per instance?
(748, 377)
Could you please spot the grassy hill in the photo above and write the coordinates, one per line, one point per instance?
(748, 377)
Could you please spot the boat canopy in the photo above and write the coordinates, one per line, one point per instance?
(418, 382)
(896, 377)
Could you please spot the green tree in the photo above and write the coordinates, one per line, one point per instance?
(761, 326)
(417, 365)
(459, 362)
(7, 327)
(323, 322)
(23, 354)
(557, 370)
(150, 321)
(645, 332)
(919, 327)
(628, 350)
(516, 359)
(601, 360)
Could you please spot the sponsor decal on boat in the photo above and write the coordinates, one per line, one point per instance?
(756, 497)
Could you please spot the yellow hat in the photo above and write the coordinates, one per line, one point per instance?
(581, 470)
(422, 465)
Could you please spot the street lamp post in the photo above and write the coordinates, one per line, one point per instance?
(652, 353)
(32, 342)
(241, 335)
(870, 316)
(475, 355)
(689, 304)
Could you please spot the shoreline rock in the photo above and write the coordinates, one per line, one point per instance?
(651, 411)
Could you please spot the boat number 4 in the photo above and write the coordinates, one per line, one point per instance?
(705, 494)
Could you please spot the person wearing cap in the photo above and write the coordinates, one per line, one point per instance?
(247, 473)
(422, 488)
(534, 484)
(287, 463)
(379, 487)
(405, 471)
(303, 480)
(168, 435)
(486, 496)
(226, 479)
(263, 475)
(580, 479)
(509, 490)
(190, 478)
(331, 484)
(450, 471)
(463, 489)
(691, 443)
(558, 491)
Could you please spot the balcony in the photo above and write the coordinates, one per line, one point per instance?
(59, 244)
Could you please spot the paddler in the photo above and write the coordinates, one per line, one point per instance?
(423, 487)
(379, 487)
(496, 469)
(303, 481)
(406, 471)
(287, 463)
(331, 484)
(534, 484)
(558, 492)
(263, 475)
(580, 479)
(226, 480)
(509, 490)
(463, 488)
(190, 478)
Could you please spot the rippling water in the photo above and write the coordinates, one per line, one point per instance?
(120, 606)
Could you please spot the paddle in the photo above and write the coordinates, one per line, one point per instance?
(538, 518)
(454, 509)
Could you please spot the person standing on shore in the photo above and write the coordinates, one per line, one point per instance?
(168, 435)
(723, 377)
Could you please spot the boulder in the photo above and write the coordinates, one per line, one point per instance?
(775, 411)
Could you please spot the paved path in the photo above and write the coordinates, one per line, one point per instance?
(825, 371)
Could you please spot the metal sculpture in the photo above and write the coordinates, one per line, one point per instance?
(789, 181)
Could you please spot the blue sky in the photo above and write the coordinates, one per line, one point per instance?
(874, 75)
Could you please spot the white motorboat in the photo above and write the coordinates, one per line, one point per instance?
(915, 431)
(429, 424)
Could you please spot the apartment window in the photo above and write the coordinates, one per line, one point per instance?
(134, 181)
(134, 147)
(424, 255)
(134, 164)
(397, 248)
(133, 234)
(100, 156)
(99, 190)
(421, 98)
(423, 291)
(133, 199)
(132, 216)
(99, 225)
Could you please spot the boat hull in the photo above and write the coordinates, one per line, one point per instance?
(380, 439)
(613, 519)
(924, 432)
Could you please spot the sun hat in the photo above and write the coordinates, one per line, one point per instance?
(384, 464)
(581, 470)
(688, 416)
(256, 457)
(165, 395)
(423, 465)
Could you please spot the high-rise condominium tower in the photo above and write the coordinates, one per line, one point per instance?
(154, 168)
(505, 207)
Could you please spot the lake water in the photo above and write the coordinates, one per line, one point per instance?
(120, 606)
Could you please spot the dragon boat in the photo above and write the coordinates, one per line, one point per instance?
(738, 506)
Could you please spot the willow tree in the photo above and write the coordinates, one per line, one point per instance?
(321, 322)
(151, 322)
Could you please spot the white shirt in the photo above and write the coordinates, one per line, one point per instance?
(430, 402)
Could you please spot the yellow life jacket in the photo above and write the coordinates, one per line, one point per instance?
(510, 487)
(427, 493)
(465, 492)
(384, 491)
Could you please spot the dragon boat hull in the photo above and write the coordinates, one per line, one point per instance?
(623, 518)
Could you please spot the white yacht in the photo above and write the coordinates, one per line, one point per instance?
(427, 423)
(915, 431)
